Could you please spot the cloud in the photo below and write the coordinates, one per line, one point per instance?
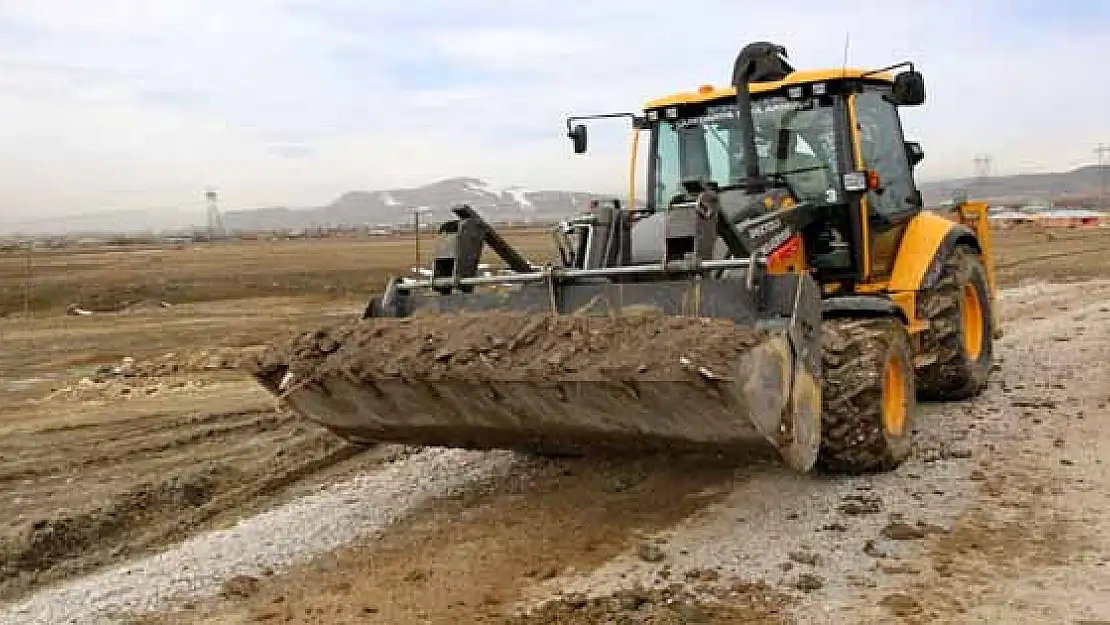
(292, 102)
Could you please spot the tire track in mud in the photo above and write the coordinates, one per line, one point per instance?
(42, 455)
(80, 498)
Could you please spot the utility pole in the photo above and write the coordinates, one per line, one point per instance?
(416, 228)
(1102, 151)
(982, 172)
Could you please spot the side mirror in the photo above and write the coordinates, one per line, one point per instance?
(578, 137)
(914, 153)
(909, 89)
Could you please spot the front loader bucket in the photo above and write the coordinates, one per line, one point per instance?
(679, 363)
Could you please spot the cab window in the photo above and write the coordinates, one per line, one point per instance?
(883, 150)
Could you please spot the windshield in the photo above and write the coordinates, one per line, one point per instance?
(793, 138)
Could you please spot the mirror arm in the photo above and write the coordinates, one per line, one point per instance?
(888, 68)
(577, 133)
(574, 118)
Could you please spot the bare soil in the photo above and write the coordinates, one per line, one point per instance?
(134, 427)
(139, 454)
(104, 458)
(1041, 254)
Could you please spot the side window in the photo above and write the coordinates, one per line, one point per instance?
(667, 159)
(883, 151)
(717, 148)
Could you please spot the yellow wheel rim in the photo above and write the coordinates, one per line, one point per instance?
(894, 396)
(973, 322)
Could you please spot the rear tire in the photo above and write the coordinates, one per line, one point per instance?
(961, 332)
(868, 402)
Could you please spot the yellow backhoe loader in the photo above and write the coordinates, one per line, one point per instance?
(782, 283)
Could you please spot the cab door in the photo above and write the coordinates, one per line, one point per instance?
(889, 207)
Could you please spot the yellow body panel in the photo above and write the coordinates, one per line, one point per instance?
(795, 78)
(920, 244)
(974, 216)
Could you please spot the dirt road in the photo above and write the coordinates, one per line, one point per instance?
(113, 483)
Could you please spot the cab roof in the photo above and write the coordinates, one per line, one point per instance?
(707, 93)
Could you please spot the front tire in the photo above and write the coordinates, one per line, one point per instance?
(960, 338)
(869, 406)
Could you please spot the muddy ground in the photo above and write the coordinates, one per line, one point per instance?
(133, 427)
(124, 433)
(120, 454)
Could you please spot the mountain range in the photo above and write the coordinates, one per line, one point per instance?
(500, 204)
(356, 208)
(1082, 184)
(434, 201)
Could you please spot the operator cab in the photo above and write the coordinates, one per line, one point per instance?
(802, 130)
(827, 142)
(831, 139)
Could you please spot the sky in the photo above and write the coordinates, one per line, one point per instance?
(126, 104)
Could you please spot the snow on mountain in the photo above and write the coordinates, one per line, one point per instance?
(396, 206)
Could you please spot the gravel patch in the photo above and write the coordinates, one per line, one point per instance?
(788, 530)
(364, 505)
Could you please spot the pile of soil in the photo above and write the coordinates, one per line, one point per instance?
(506, 346)
(176, 363)
(173, 371)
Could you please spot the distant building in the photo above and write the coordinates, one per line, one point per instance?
(1049, 218)
(1074, 218)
